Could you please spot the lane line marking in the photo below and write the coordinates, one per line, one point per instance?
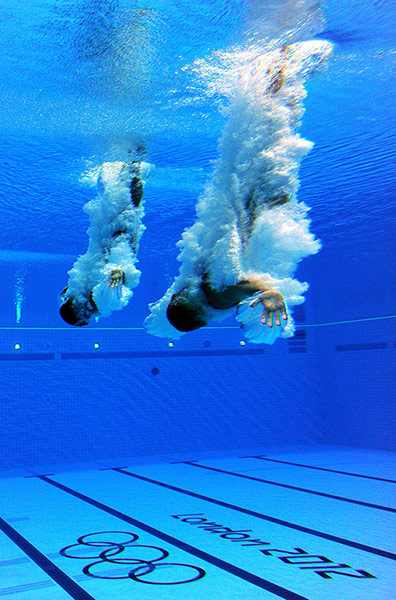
(286, 462)
(209, 558)
(63, 580)
(293, 487)
(326, 536)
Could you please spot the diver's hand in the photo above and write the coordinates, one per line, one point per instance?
(116, 278)
(275, 308)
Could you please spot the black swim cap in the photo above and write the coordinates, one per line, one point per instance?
(74, 314)
(185, 314)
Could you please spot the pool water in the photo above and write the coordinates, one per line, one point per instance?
(111, 435)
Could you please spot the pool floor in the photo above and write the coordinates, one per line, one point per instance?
(312, 523)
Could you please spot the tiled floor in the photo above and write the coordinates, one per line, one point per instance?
(314, 524)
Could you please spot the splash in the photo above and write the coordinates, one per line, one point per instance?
(270, 26)
(114, 234)
(283, 21)
(249, 220)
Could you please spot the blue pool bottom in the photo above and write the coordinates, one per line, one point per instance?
(296, 523)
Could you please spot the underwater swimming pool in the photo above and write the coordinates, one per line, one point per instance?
(267, 129)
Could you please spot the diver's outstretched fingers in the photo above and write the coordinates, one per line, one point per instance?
(264, 317)
(116, 278)
(284, 312)
(255, 302)
(269, 319)
(278, 320)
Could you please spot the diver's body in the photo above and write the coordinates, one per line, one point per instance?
(251, 232)
(101, 281)
(187, 313)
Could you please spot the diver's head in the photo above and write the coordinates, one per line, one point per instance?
(186, 311)
(74, 313)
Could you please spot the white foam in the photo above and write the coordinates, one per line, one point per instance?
(259, 157)
(111, 211)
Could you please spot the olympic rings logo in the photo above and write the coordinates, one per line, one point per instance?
(145, 560)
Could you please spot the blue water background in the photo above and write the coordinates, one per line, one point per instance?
(72, 98)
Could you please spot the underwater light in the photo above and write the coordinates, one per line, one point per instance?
(242, 343)
(171, 344)
(17, 346)
(96, 345)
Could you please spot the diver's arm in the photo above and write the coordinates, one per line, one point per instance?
(233, 294)
(274, 305)
(248, 287)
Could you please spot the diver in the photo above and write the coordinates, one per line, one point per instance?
(241, 253)
(101, 281)
(189, 311)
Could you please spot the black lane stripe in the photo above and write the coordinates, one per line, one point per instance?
(209, 558)
(326, 536)
(286, 462)
(292, 487)
(70, 586)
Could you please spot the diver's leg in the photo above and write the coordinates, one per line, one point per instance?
(136, 189)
